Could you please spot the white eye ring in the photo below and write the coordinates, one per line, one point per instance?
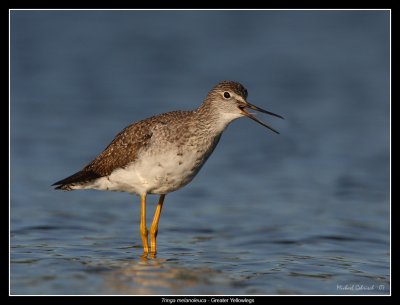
(227, 95)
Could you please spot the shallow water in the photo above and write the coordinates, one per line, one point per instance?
(305, 212)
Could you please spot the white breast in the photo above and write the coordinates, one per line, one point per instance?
(158, 173)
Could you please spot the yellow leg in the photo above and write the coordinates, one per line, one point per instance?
(143, 228)
(154, 225)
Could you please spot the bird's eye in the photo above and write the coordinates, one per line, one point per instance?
(227, 95)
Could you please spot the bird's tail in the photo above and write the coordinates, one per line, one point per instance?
(78, 178)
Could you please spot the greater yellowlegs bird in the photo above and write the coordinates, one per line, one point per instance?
(163, 153)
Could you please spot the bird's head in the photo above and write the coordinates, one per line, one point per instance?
(230, 100)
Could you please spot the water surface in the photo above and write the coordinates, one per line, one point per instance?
(305, 212)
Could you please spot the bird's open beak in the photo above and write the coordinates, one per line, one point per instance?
(243, 106)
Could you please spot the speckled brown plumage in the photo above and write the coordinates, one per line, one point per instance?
(127, 144)
(163, 153)
(230, 86)
(180, 140)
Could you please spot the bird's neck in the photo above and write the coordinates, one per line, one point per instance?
(212, 119)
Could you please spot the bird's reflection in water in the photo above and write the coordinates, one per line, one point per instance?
(152, 276)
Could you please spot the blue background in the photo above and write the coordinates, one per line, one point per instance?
(303, 212)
